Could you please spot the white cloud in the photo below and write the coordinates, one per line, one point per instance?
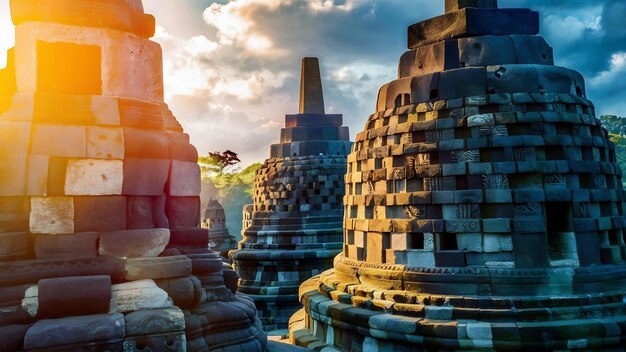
(235, 20)
(615, 72)
(7, 32)
(330, 5)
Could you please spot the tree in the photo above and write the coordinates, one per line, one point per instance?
(216, 163)
(234, 186)
(616, 126)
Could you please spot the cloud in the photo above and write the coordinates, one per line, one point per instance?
(252, 69)
(7, 32)
(330, 5)
(614, 73)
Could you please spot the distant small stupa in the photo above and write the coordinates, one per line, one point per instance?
(214, 220)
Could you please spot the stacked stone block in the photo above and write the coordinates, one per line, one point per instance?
(484, 206)
(100, 244)
(214, 220)
(293, 230)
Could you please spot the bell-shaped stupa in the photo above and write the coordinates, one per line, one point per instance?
(100, 244)
(484, 206)
(214, 220)
(294, 229)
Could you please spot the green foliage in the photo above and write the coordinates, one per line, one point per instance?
(215, 163)
(614, 124)
(234, 186)
(235, 182)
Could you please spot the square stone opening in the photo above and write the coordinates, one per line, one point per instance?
(66, 68)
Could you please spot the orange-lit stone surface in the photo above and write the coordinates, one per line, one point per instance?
(98, 183)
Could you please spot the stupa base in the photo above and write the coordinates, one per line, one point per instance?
(348, 312)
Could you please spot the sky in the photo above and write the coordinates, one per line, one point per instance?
(232, 67)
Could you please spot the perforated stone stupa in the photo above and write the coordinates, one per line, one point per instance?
(484, 207)
(214, 220)
(100, 244)
(293, 230)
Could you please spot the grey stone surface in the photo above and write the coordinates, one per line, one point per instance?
(311, 95)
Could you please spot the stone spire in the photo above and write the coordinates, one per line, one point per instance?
(455, 5)
(311, 95)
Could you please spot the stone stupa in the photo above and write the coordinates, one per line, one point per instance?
(484, 206)
(293, 230)
(100, 244)
(214, 220)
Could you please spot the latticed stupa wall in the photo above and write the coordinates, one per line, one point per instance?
(484, 205)
(294, 228)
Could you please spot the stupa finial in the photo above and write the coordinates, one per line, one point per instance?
(311, 95)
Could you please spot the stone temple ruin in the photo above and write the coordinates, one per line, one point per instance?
(484, 206)
(214, 220)
(100, 244)
(293, 230)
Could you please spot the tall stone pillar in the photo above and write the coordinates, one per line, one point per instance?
(100, 244)
(484, 206)
(293, 229)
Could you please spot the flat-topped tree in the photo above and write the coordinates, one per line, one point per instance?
(311, 95)
(455, 5)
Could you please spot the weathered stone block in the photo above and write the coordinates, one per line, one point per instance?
(105, 143)
(14, 245)
(80, 245)
(139, 213)
(56, 140)
(157, 268)
(12, 336)
(102, 213)
(92, 329)
(145, 144)
(13, 174)
(15, 137)
(470, 242)
(184, 179)
(70, 296)
(469, 22)
(183, 211)
(181, 291)
(145, 177)
(420, 259)
(52, 215)
(105, 110)
(179, 147)
(37, 181)
(138, 295)
(154, 321)
(134, 243)
(486, 50)
(94, 177)
(14, 214)
(169, 341)
(532, 50)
